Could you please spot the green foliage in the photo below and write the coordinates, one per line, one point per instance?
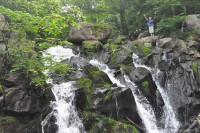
(169, 25)
(7, 119)
(145, 86)
(51, 25)
(108, 94)
(109, 126)
(195, 68)
(107, 84)
(145, 50)
(94, 72)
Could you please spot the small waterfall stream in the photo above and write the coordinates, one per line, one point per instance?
(65, 112)
(144, 108)
(169, 118)
(63, 107)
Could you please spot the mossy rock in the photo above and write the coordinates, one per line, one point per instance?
(1, 90)
(145, 87)
(101, 124)
(126, 68)
(86, 84)
(91, 46)
(120, 40)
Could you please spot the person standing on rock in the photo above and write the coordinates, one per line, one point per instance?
(150, 24)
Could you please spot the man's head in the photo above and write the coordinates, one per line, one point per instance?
(149, 18)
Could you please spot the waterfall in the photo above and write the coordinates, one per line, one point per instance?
(169, 117)
(63, 107)
(108, 71)
(144, 109)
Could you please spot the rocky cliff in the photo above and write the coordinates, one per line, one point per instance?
(103, 105)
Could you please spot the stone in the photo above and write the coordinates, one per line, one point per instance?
(88, 31)
(147, 41)
(164, 41)
(2, 50)
(19, 102)
(175, 44)
(14, 79)
(192, 23)
(90, 46)
(120, 39)
(163, 65)
(106, 105)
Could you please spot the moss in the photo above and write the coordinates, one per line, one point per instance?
(126, 68)
(114, 56)
(96, 76)
(109, 94)
(134, 47)
(7, 119)
(1, 90)
(120, 39)
(107, 84)
(94, 72)
(87, 85)
(90, 46)
(98, 28)
(145, 86)
(136, 42)
(63, 43)
(145, 50)
(114, 46)
(150, 62)
(194, 67)
(108, 126)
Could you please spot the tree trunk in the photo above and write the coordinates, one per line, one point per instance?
(123, 20)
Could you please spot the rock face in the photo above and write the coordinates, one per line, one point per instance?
(192, 23)
(2, 50)
(88, 31)
(19, 102)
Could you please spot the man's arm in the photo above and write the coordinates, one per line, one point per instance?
(145, 17)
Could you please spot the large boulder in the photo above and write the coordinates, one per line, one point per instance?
(175, 44)
(192, 23)
(88, 31)
(19, 102)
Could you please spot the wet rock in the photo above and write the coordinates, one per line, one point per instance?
(120, 56)
(89, 31)
(139, 74)
(163, 65)
(19, 102)
(116, 103)
(102, 56)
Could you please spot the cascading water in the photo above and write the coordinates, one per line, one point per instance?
(169, 118)
(144, 109)
(64, 110)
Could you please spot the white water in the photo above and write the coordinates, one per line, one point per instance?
(108, 71)
(169, 117)
(63, 107)
(144, 109)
